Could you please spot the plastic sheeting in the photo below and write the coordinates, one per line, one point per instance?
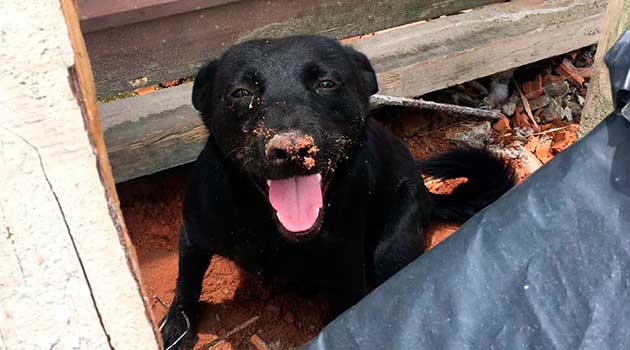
(547, 266)
(618, 62)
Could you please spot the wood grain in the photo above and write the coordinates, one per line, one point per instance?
(67, 279)
(176, 46)
(425, 57)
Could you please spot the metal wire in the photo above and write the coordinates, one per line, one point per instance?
(182, 335)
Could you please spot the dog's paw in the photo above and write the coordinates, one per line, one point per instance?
(177, 331)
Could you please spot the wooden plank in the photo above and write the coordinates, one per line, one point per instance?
(176, 46)
(66, 275)
(149, 133)
(425, 57)
(599, 98)
(98, 14)
(143, 133)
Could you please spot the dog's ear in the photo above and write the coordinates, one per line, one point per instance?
(366, 72)
(202, 87)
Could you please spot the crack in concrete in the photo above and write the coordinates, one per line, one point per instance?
(53, 345)
(74, 246)
(17, 257)
(4, 343)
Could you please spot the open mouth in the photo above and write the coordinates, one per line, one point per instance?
(298, 204)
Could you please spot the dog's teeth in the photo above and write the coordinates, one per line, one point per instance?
(268, 183)
(319, 178)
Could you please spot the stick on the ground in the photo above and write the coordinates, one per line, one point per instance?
(385, 100)
(528, 108)
(228, 334)
(550, 130)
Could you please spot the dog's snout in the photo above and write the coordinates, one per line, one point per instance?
(291, 147)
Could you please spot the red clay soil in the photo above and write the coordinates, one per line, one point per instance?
(152, 207)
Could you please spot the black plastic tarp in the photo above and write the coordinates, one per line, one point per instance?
(547, 266)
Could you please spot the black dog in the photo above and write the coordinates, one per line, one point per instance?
(296, 178)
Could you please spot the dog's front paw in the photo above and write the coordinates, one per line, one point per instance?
(177, 331)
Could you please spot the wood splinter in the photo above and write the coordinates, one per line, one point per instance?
(385, 100)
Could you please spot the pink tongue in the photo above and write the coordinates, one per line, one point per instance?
(297, 201)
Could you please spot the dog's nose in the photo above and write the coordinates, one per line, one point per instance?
(293, 147)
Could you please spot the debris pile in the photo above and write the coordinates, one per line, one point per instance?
(541, 105)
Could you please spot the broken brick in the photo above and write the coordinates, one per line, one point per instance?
(534, 88)
(145, 90)
(532, 143)
(568, 70)
(171, 83)
(502, 126)
(543, 150)
(544, 154)
(563, 139)
(528, 163)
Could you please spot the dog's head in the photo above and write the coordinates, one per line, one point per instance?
(287, 111)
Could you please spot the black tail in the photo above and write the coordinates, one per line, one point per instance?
(488, 176)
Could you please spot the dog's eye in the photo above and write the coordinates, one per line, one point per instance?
(241, 93)
(326, 84)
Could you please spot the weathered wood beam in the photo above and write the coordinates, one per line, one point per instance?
(176, 46)
(599, 98)
(68, 275)
(99, 14)
(149, 133)
(153, 132)
(424, 57)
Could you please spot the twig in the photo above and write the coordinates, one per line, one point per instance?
(228, 334)
(528, 108)
(551, 130)
(160, 301)
(385, 100)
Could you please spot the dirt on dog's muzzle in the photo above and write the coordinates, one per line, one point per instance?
(291, 147)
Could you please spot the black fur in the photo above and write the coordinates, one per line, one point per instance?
(488, 178)
(375, 202)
